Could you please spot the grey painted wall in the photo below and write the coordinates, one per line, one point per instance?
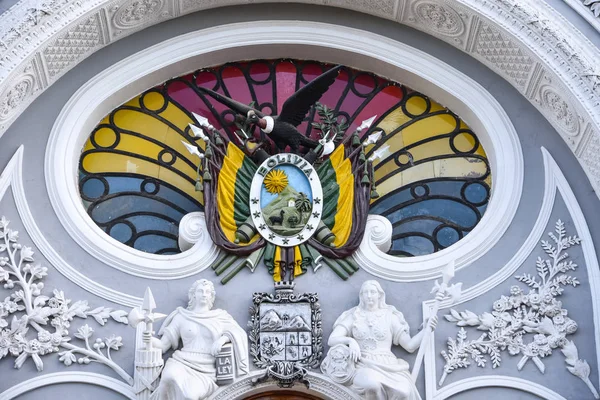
(32, 130)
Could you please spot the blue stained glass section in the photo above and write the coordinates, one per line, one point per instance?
(122, 232)
(412, 246)
(432, 215)
(451, 210)
(154, 243)
(153, 223)
(447, 236)
(93, 188)
(153, 226)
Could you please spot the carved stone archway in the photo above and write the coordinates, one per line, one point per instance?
(320, 387)
(282, 395)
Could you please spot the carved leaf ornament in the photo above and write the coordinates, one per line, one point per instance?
(530, 322)
(40, 323)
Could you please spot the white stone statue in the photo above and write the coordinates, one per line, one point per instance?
(360, 353)
(190, 373)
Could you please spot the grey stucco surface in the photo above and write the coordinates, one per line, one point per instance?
(32, 130)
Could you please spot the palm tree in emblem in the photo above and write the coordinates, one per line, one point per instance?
(302, 203)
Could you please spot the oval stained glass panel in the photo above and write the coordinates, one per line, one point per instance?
(137, 180)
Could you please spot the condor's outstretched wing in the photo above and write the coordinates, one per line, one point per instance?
(236, 106)
(295, 108)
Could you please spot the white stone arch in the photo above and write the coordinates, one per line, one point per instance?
(319, 385)
(283, 39)
(526, 42)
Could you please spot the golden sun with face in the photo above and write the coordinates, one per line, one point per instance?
(275, 181)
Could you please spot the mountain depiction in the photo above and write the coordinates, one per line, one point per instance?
(298, 324)
(270, 321)
(281, 214)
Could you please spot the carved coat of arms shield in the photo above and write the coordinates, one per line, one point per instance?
(285, 333)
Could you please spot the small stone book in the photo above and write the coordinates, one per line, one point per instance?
(224, 364)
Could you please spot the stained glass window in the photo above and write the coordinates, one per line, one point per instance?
(137, 180)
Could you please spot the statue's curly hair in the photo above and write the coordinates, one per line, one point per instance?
(192, 293)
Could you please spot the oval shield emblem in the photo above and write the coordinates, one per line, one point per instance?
(286, 200)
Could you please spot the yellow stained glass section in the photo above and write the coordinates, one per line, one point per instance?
(424, 144)
(145, 145)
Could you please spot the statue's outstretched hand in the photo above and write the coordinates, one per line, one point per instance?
(432, 322)
(216, 347)
(354, 350)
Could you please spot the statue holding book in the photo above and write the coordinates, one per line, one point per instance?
(195, 370)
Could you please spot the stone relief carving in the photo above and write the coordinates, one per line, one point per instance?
(594, 6)
(439, 17)
(13, 97)
(535, 314)
(209, 337)
(285, 334)
(589, 155)
(502, 52)
(72, 46)
(49, 316)
(135, 14)
(562, 110)
(383, 8)
(360, 353)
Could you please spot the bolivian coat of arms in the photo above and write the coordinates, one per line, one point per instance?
(285, 334)
(276, 195)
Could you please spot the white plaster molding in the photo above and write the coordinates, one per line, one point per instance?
(588, 9)
(63, 187)
(192, 229)
(524, 41)
(319, 385)
(30, 308)
(12, 176)
(69, 377)
(555, 182)
(498, 381)
(336, 44)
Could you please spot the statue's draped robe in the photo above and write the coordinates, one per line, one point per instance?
(384, 371)
(190, 372)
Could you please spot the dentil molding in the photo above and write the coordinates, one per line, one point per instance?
(526, 42)
(281, 39)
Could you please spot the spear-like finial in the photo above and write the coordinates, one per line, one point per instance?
(380, 153)
(366, 124)
(202, 121)
(149, 304)
(373, 138)
(199, 133)
(146, 315)
(193, 150)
